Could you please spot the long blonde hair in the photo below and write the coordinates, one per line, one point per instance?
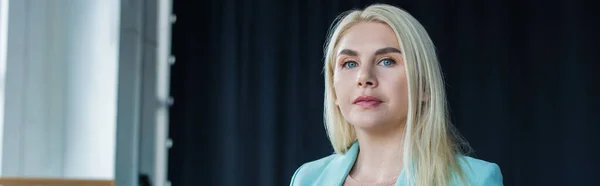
(431, 145)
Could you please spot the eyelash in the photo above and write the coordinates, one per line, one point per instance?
(349, 61)
(380, 60)
(390, 59)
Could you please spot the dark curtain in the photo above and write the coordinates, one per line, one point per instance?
(522, 80)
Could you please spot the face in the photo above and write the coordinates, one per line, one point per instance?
(369, 77)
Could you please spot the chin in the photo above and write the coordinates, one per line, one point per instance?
(368, 121)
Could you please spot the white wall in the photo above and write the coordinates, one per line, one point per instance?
(60, 110)
(33, 109)
(92, 72)
(3, 30)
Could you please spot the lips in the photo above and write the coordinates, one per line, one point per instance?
(367, 102)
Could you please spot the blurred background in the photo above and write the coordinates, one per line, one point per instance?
(230, 92)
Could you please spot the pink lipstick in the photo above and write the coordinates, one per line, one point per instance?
(367, 102)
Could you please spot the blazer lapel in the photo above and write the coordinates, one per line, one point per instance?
(339, 168)
(401, 181)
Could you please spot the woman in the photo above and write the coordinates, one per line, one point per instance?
(385, 109)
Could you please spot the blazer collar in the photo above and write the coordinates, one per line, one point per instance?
(339, 168)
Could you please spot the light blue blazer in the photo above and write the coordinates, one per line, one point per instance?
(333, 170)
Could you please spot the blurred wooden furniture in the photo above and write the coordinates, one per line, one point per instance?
(17, 181)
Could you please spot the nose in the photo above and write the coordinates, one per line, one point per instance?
(366, 78)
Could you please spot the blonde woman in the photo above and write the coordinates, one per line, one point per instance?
(385, 109)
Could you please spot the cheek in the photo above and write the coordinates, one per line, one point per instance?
(396, 87)
(401, 86)
(341, 86)
(402, 93)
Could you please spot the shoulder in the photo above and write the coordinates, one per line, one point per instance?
(309, 173)
(480, 172)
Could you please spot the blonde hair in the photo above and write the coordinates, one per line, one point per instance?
(431, 145)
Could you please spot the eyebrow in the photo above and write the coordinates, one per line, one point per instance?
(378, 52)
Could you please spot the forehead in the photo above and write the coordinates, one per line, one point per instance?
(367, 36)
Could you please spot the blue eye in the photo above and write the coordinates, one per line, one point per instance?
(387, 62)
(350, 64)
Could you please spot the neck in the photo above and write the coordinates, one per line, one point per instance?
(380, 154)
